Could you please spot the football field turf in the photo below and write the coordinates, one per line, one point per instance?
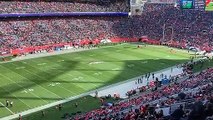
(35, 82)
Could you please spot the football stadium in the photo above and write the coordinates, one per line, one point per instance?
(106, 60)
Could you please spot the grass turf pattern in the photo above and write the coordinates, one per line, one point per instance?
(35, 82)
(53, 113)
(206, 64)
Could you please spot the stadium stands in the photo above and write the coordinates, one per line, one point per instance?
(14, 6)
(182, 26)
(18, 33)
(196, 89)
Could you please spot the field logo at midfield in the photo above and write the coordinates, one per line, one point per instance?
(97, 62)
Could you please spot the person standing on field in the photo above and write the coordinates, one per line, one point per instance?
(7, 103)
(11, 103)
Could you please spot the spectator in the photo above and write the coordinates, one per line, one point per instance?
(178, 113)
(209, 109)
(7, 103)
(11, 103)
(14, 6)
(197, 112)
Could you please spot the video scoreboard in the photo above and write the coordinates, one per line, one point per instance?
(202, 5)
(187, 4)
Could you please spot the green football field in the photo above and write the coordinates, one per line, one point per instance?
(36, 82)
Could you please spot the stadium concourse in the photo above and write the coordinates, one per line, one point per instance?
(136, 83)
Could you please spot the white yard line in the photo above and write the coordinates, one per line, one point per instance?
(35, 83)
(40, 55)
(72, 98)
(18, 85)
(29, 92)
(7, 108)
(45, 79)
(84, 80)
(61, 79)
(67, 99)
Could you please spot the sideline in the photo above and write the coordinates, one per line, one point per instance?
(73, 50)
(46, 54)
(133, 83)
(7, 108)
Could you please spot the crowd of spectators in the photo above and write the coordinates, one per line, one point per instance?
(194, 96)
(19, 33)
(179, 25)
(194, 28)
(14, 6)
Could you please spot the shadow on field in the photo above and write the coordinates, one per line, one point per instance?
(131, 68)
(33, 80)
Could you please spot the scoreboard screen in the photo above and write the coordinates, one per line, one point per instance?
(187, 4)
(209, 5)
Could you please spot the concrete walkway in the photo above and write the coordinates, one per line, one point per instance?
(131, 84)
